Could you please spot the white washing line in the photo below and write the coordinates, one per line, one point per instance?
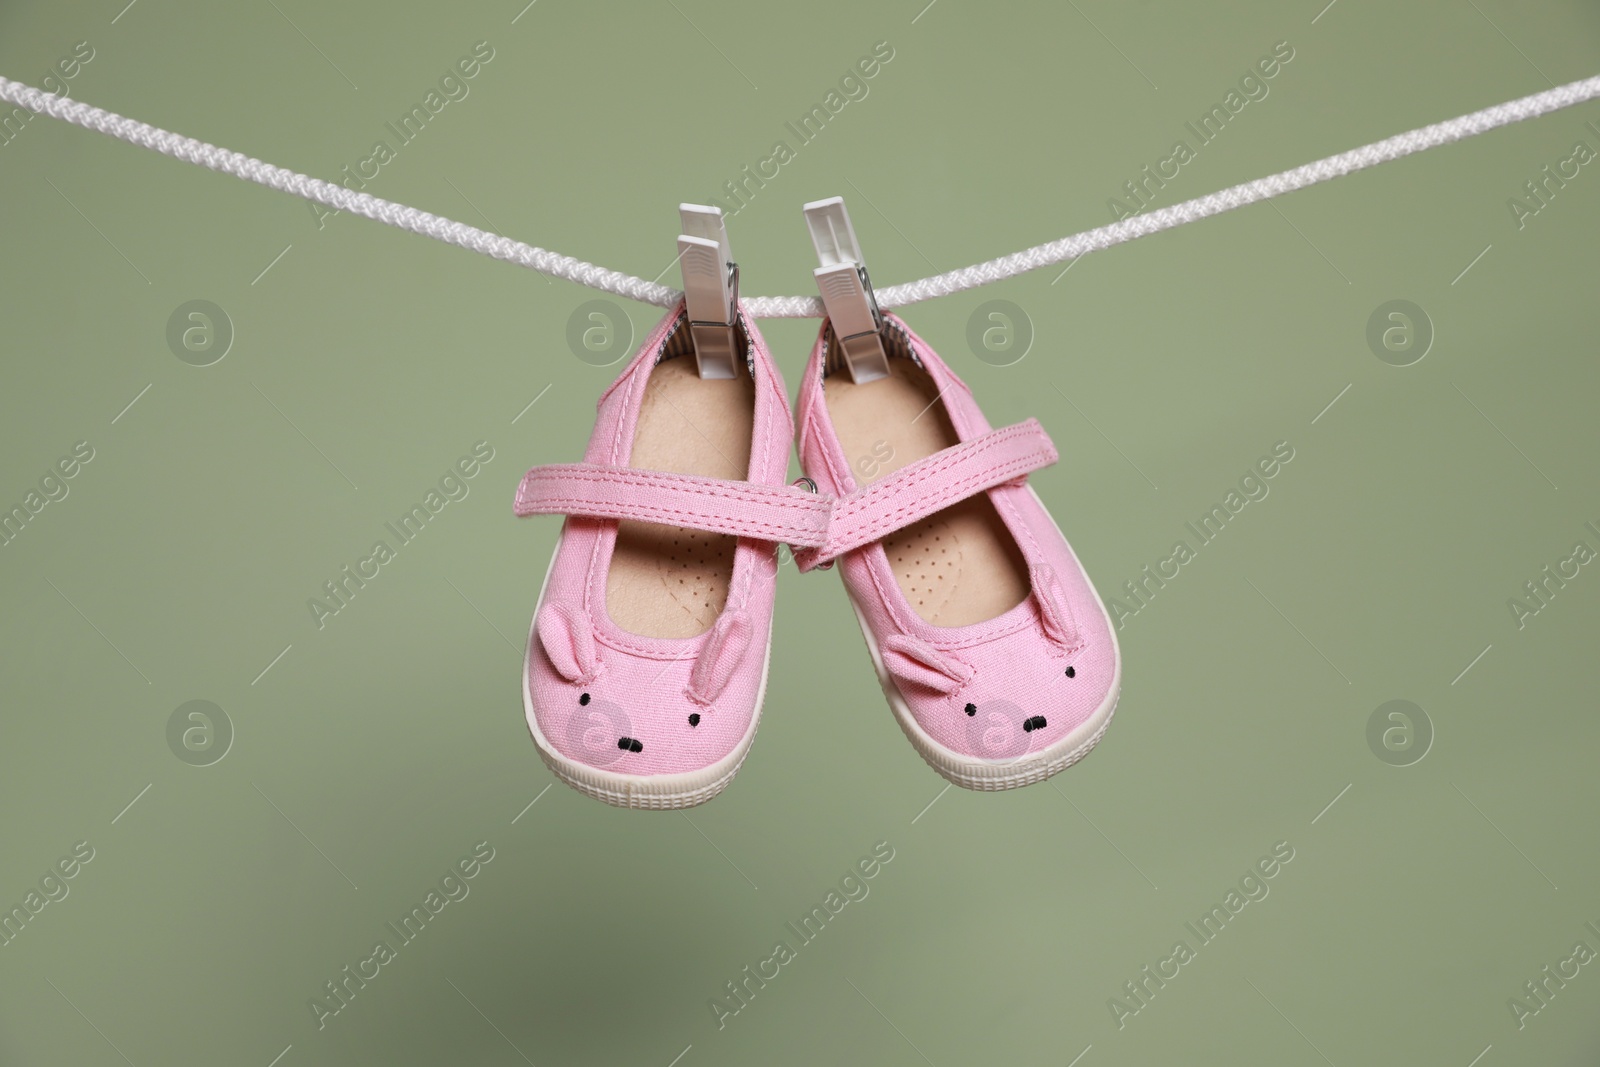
(626, 285)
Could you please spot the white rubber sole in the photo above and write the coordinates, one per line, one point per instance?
(970, 772)
(656, 792)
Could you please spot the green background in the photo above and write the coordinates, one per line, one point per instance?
(379, 749)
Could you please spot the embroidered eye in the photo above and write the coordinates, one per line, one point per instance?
(694, 718)
(628, 744)
(584, 699)
(1035, 723)
(972, 709)
(1072, 672)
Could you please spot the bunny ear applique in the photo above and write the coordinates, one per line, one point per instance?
(724, 650)
(1059, 625)
(568, 641)
(919, 665)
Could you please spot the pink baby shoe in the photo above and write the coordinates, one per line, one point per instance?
(647, 659)
(991, 644)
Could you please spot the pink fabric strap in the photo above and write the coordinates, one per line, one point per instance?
(930, 485)
(743, 509)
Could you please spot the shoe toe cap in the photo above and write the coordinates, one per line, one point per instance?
(636, 717)
(1018, 702)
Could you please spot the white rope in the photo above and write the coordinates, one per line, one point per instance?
(336, 196)
(626, 285)
(1288, 181)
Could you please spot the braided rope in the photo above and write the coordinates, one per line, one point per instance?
(626, 285)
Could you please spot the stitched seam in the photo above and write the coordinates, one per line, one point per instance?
(589, 575)
(765, 441)
(545, 502)
(808, 526)
(876, 526)
(596, 563)
(1017, 521)
(906, 478)
(623, 645)
(959, 456)
(734, 526)
(825, 438)
(816, 443)
(856, 533)
(588, 506)
(761, 496)
(947, 644)
(859, 530)
(626, 413)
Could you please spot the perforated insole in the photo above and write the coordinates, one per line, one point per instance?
(960, 565)
(668, 581)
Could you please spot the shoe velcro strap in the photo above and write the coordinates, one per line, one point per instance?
(930, 485)
(741, 509)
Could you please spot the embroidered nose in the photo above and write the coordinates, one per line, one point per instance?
(1035, 723)
(628, 744)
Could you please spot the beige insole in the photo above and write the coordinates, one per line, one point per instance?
(960, 565)
(668, 581)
